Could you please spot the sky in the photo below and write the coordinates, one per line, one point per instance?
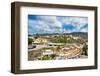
(41, 24)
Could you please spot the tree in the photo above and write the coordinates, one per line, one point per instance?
(85, 49)
(48, 57)
(30, 40)
(36, 36)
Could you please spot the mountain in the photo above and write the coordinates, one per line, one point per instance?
(84, 35)
(76, 34)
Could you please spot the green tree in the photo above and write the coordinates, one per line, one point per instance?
(47, 57)
(36, 36)
(85, 49)
(30, 40)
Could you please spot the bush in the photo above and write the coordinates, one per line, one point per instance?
(85, 49)
(48, 57)
(30, 40)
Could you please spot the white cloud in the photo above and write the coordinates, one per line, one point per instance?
(54, 24)
(77, 22)
(74, 20)
(83, 30)
(50, 20)
(46, 24)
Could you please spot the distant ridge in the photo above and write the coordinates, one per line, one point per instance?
(79, 34)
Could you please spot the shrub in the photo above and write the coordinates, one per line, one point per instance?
(30, 40)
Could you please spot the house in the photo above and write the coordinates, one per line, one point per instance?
(75, 38)
(41, 40)
(48, 52)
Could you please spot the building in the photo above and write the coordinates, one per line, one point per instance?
(41, 40)
(48, 52)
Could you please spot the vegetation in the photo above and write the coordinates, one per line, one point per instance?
(36, 36)
(30, 40)
(66, 39)
(33, 55)
(85, 49)
(48, 57)
(63, 39)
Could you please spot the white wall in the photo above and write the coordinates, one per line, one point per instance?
(5, 42)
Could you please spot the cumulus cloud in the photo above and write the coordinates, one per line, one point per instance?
(45, 24)
(77, 22)
(56, 24)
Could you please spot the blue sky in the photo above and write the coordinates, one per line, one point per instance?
(56, 24)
